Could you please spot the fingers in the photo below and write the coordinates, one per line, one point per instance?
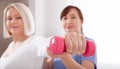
(65, 55)
(79, 45)
(51, 55)
(84, 44)
(71, 42)
(68, 43)
(74, 39)
(75, 43)
(54, 55)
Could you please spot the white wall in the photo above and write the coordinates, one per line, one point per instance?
(47, 18)
(39, 16)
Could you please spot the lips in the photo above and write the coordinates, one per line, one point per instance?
(69, 27)
(14, 27)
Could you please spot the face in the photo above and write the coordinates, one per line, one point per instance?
(72, 22)
(14, 22)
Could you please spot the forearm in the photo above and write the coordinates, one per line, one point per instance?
(70, 63)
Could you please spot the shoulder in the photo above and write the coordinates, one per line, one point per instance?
(35, 43)
(37, 39)
(89, 38)
(10, 45)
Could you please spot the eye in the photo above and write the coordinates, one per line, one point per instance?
(9, 18)
(73, 17)
(65, 18)
(19, 17)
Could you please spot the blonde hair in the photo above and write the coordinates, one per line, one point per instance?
(26, 15)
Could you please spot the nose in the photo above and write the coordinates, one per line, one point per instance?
(13, 21)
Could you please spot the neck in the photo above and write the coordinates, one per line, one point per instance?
(19, 38)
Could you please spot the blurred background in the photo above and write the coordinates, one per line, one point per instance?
(101, 23)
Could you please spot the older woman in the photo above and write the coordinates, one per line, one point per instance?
(22, 52)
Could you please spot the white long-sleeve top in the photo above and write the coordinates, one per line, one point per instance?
(29, 55)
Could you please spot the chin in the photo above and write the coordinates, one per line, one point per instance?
(69, 31)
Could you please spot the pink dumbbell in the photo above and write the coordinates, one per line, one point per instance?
(57, 46)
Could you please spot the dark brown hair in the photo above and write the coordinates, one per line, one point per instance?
(67, 9)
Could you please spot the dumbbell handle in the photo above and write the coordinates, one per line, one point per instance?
(57, 46)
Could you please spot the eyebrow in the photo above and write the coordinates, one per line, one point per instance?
(17, 15)
(14, 15)
(72, 14)
(8, 17)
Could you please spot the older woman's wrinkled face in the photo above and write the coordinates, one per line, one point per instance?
(14, 22)
(72, 22)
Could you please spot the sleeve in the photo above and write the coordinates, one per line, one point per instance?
(42, 47)
(91, 58)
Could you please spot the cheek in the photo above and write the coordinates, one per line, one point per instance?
(8, 27)
(63, 24)
(7, 24)
(21, 24)
(64, 27)
(79, 25)
(22, 27)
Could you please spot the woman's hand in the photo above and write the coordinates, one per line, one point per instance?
(75, 43)
(62, 55)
